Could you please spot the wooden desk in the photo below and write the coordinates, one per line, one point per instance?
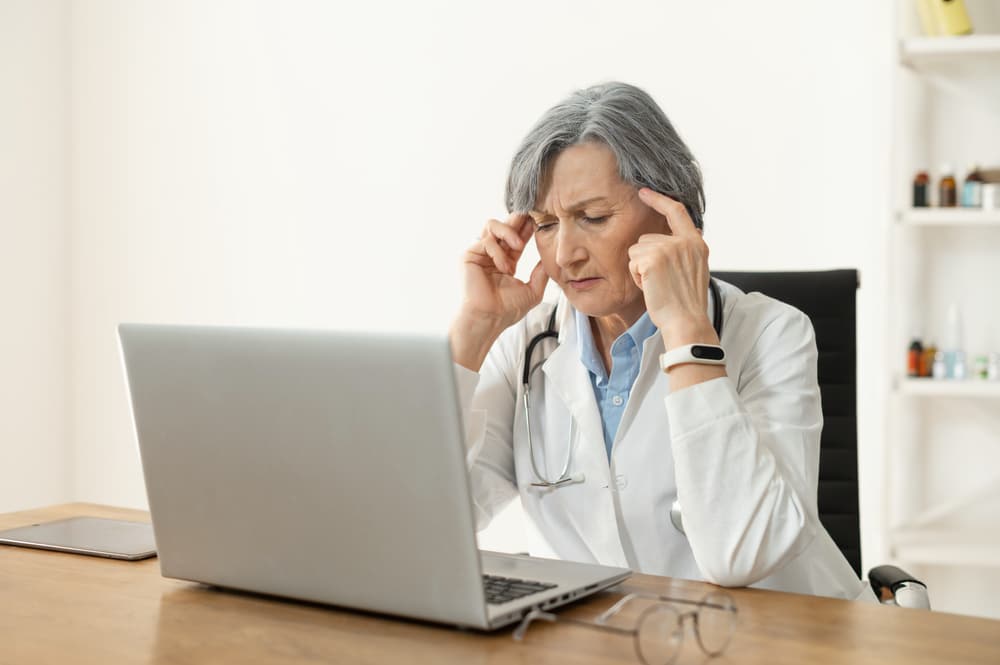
(64, 608)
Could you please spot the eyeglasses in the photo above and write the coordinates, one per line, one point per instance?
(659, 630)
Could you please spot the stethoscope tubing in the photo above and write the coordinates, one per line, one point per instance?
(563, 478)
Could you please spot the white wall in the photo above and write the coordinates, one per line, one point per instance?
(34, 449)
(323, 164)
(316, 163)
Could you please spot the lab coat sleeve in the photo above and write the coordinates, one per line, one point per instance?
(488, 400)
(746, 454)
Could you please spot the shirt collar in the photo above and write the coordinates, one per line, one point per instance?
(589, 355)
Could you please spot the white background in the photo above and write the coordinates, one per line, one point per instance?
(324, 164)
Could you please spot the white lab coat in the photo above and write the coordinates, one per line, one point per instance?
(741, 453)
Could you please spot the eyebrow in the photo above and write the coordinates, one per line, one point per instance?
(576, 206)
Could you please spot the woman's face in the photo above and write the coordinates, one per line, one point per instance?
(586, 219)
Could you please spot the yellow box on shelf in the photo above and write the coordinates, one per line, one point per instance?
(944, 18)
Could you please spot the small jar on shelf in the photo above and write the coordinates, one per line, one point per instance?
(921, 187)
(947, 188)
(972, 189)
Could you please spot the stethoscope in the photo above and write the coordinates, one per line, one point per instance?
(565, 477)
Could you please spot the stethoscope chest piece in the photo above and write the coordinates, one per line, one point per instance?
(675, 516)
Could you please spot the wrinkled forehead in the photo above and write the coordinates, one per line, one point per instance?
(580, 173)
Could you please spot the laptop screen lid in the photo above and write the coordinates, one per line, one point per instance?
(310, 464)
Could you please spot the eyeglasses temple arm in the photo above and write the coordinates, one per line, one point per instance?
(522, 628)
(614, 609)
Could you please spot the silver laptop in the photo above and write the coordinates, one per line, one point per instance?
(327, 467)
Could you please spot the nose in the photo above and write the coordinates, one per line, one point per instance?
(570, 249)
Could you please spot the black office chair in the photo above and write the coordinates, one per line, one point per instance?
(828, 298)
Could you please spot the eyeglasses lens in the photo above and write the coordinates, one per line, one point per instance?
(659, 635)
(716, 622)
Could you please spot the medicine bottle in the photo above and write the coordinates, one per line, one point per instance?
(947, 190)
(920, 184)
(927, 359)
(913, 358)
(972, 189)
(939, 370)
(958, 370)
(982, 368)
(954, 357)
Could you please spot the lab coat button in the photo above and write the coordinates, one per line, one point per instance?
(617, 400)
(621, 481)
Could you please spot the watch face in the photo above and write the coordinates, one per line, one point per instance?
(708, 352)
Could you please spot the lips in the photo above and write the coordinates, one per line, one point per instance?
(584, 283)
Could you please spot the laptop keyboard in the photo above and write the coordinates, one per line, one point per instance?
(501, 590)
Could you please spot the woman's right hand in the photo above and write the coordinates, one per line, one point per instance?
(494, 298)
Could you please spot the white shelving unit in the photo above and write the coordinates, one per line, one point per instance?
(967, 388)
(948, 547)
(971, 56)
(931, 540)
(927, 52)
(942, 483)
(948, 217)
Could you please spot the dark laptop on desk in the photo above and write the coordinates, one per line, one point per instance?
(325, 467)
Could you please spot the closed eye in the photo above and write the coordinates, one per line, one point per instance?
(543, 227)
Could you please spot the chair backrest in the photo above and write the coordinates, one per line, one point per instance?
(828, 298)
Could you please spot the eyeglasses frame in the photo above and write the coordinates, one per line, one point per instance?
(663, 604)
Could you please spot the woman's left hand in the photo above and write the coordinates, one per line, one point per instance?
(672, 271)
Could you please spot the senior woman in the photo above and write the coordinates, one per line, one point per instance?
(729, 427)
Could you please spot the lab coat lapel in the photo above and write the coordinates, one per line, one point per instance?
(597, 522)
(571, 382)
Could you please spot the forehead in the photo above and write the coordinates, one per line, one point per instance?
(578, 173)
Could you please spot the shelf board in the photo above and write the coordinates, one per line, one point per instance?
(949, 388)
(948, 217)
(920, 52)
(946, 546)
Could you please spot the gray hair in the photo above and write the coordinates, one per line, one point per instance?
(625, 118)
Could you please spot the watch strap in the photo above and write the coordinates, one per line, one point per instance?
(701, 354)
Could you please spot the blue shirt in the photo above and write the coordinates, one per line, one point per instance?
(626, 355)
